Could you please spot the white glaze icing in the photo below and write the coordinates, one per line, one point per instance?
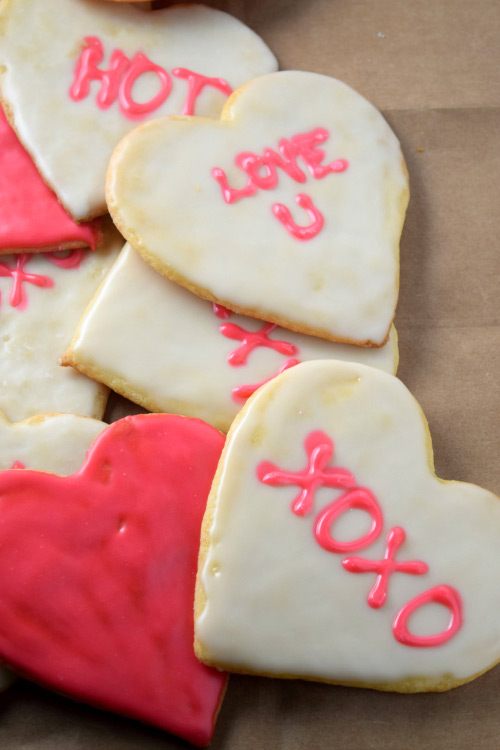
(48, 442)
(56, 443)
(160, 345)
(343, 283)
(33, 339)
(72, 142)
(279, 603)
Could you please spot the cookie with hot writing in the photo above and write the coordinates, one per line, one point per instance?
(42, 297)
(213, 205)
(102, 68)
(331, 551)
(165, 348)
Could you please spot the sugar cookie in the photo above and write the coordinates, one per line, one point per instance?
(208, 204)
(102, 68)
(104, 562)
(42, 297)
(168, 350)
(331, 551)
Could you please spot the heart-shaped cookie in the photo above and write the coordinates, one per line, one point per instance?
(31, 217)
(333, 552)
(161, 346)
(101, 68)
(98, 602)
(213, 205)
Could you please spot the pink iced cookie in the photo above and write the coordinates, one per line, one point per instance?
(104, 561)
(31, 217)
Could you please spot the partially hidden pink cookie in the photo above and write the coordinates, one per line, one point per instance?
(31, 217)
(98, 603)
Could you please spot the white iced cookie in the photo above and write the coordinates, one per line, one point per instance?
(56, 443)
(101, 68)
(331, 551)
(42, 298)
(288, 209)
(168, 350)
(48, 442)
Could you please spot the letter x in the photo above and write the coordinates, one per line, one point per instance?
(385, 567)
(319, 450)
(19, 277)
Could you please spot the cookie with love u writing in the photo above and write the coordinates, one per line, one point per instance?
(31, 217)
(288, 209)
(168, 350)
(98, 603)
(331, 551)
(101, 68)
(42, 297)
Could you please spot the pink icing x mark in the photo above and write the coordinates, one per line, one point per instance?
(445, 595)
(319, 449)
(252, 340)
(301, 233)
(242, 392)
(18, 465)
(19, 277)
(385, 567)
(196, 84)
(221, 311)
(72, 260)
(359, 498)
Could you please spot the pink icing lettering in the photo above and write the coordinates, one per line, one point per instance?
(319, 449)
(448, 597)
(72, 260)
(301, 233)
(302, 145)
(252, 340)
(385, 567)
(231, 195)
(242, 392)
(221, 311)
(360, 498)
(18, 465)
(196, 84)
(306, 144)
(139, 65)
(86, 70)
(19, 277)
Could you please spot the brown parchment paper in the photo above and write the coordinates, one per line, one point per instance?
(432, 67)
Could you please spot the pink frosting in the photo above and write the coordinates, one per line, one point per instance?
(30, 214)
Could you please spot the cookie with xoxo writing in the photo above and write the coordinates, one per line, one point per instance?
(288, 209)
(168, 350)
(332, 552)
(103, 67)
(98, 603)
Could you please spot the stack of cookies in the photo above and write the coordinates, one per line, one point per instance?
(245, 283)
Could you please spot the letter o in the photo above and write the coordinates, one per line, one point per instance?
(359, 498)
